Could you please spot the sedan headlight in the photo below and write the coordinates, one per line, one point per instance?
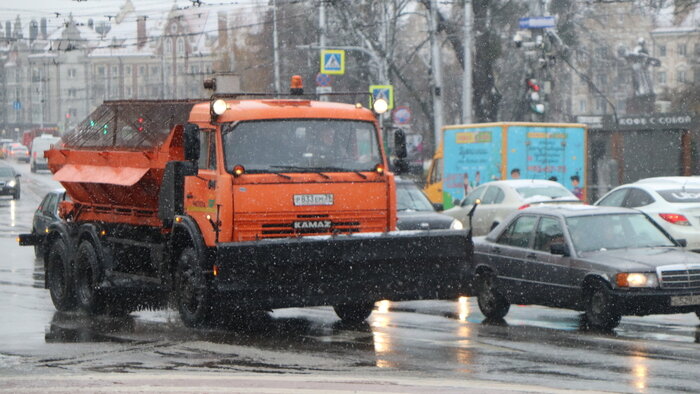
(456, 225)
(636, 279)
(11, 183)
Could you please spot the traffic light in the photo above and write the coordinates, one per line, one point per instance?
(533, 96)
(140, 124)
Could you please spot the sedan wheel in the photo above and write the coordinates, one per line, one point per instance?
(354, 313)
(491, 302)
(600, 308)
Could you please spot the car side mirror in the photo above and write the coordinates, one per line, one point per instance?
(559, 248)
(19, 175)
(438, 206)
(682, 242)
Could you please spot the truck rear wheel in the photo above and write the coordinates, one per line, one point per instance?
(193, 292)
(59, 278)
(354, 313)
(88, 276)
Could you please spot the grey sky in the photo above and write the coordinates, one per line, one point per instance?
(85, 9)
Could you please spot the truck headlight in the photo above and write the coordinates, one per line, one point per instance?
(456, 225)
(636, 279)
(11, 183)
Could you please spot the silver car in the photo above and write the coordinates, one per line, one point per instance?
(498, 199)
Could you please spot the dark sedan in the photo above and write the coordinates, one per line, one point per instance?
(9, 182)
(416, 212)
(45, 214)
(606, 262)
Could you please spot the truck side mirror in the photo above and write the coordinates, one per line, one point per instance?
(191, 138)
(400, 149)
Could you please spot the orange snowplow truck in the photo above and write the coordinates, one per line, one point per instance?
(232, 205)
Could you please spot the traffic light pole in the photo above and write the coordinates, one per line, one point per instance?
(467, 77)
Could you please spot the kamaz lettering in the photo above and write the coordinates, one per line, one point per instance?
(312, 224)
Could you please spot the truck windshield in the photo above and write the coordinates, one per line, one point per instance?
(301, 145)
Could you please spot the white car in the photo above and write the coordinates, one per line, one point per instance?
(39, 146)
(673, 202)
(498, 199)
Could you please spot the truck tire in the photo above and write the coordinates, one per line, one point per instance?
(88, 276)
(194, 298)
(354, 313)
(59, 278)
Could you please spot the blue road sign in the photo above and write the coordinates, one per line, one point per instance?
(385, 92)
(402, 115)
(333, 61)
(323, 79)
(537, 22)
(17, 105)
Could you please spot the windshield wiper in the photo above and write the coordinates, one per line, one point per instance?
(361, 175)
(302, 169)
(321, 170)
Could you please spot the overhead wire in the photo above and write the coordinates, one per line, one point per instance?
(155, 38)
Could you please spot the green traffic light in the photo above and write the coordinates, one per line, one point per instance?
(537, 108)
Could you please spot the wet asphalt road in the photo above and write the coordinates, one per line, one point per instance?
(421, 346)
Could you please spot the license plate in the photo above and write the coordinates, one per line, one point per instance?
(685, 300)
(313, 199)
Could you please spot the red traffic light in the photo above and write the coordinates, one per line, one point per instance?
(140, 122)
(532, 84)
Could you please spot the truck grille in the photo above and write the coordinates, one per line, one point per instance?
(317, 224)
(680, 277)
(281, 226)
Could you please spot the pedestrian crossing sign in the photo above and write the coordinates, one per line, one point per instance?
(385, 92)
(333, 61)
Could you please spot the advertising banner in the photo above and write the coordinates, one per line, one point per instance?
(472, 157)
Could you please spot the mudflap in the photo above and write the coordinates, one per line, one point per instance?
(308, 271)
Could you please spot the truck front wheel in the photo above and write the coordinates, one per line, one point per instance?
(193, 293)
(354, 313)
(59, 278)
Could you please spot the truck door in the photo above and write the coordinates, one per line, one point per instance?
(200, 191)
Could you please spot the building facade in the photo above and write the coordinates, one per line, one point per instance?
(56, 78)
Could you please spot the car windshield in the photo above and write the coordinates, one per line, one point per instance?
(615, 231)
(410, 198)
(301, 145)
(6, 172)
(543, 191)
(680, 195)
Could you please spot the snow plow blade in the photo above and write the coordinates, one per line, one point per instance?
(312, 271)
